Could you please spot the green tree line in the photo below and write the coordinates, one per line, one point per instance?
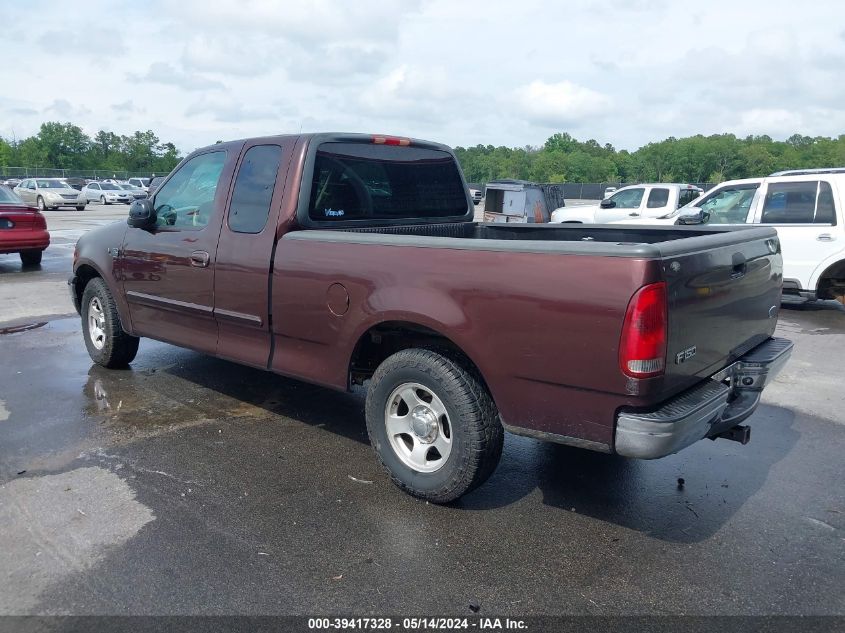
(562, 158)
(66, 146)
(692, 159)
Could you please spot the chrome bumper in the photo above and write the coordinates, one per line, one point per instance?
(715, 406)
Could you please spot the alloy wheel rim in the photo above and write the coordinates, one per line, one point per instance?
(96, 323)
(418, 427)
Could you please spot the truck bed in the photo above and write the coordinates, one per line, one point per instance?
(599, 239)
(538, 308)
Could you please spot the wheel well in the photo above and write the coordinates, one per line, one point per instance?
(832, 282)
(385, 339)
(84, 274)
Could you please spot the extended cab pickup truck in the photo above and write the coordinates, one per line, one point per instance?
(349, 259)
(645, 201)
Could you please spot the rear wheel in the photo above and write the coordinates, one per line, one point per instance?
(107, 342)
(31, 258)
(433, 425)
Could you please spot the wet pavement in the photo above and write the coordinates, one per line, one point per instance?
(188, 484)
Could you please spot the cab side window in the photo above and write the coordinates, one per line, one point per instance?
(253, 191)
(186, 201)
(807, 202)
(657, 198)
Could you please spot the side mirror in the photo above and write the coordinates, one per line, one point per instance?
(142, 214)
(694, 215)
(607, 203)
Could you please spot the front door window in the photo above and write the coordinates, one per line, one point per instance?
(186, 201)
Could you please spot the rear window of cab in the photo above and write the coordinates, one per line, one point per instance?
(359, 181)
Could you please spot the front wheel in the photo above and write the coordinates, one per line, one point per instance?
(80, 207)
(433, 425)
(40, 204)
(107, 342)
(103, 200)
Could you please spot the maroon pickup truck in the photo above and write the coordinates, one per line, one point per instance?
(345, 259)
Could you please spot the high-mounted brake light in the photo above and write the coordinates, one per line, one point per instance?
(391, 140)
(642, 350)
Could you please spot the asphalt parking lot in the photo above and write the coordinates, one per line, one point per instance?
(188, 484)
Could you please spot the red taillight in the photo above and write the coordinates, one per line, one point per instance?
(391, 140)
(642, 350)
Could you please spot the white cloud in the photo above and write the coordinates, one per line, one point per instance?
(169, 75)
(560, 104)
(478, 71)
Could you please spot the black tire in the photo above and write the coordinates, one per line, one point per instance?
(39, 202)
(31, 258)
(80, 207)
(118, 348)
(475, 428)
(103, 200)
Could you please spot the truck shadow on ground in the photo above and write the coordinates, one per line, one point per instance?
(333, 411)
(683, 498)
(645, 496)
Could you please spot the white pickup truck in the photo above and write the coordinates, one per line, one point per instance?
(807, 209)
(650, 200)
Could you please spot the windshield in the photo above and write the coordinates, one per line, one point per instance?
(53, 184)
(128, 187)
(7, 195)
(109, 187)
(358, 181)
(728, 205)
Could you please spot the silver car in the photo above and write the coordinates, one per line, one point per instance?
(50, 193)
(106, 193)
(136, 192)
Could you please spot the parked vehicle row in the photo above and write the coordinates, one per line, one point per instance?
(366, 246)
(806, 207)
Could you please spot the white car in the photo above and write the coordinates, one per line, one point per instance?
(105, 193)
(141, 183)
(650, 200)
(806, 207)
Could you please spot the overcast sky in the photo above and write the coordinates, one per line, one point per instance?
(624, 72)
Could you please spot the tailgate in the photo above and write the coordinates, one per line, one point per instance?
(723, 301)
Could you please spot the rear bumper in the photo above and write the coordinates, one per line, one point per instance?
(26, 241)
(715, 406)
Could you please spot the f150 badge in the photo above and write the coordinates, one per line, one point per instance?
(684, 355)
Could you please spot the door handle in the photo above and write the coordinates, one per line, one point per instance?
(634, 215)
(199, 259)
(825, 237)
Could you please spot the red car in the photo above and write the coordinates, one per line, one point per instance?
(22, 229)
